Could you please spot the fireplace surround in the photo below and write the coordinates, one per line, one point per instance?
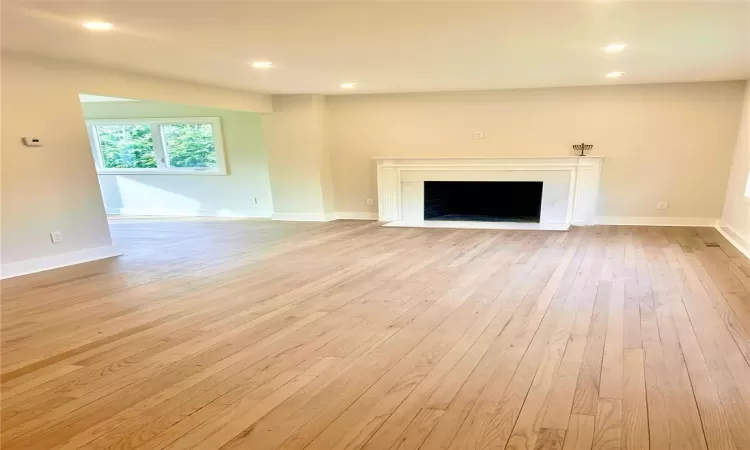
(570, 188)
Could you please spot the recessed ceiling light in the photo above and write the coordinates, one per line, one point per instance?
(615, 48)
(348, 86)
(615, 74)
(262, 64)
(98, 26)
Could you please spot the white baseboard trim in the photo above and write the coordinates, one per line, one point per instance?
(357, 216)
(302, 217)
(180, 213)
(734, 238)
(293, 217)
(657, 221)
(601, 220)
(320, 217)
(55, 261)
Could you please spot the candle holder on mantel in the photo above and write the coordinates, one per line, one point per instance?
(583, 148)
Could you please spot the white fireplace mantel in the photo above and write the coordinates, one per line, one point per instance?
(569, 195)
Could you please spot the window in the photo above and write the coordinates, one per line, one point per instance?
(126, 146)
(158, 146)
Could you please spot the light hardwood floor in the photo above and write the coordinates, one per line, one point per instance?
(263, 335)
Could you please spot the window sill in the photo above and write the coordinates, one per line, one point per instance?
(159, 172)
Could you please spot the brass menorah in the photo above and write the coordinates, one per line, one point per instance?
(583, 148)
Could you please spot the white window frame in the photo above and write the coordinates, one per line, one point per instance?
(158, 140)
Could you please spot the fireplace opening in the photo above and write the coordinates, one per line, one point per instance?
(483, 201)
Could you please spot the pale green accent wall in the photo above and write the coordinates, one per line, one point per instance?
(199, 195)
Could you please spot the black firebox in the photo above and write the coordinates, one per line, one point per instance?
(485, 201)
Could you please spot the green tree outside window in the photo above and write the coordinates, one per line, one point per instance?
(126, 146)
(189, 145)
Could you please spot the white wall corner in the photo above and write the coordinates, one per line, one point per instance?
(742, 243)
(658, 221)
(55, 261)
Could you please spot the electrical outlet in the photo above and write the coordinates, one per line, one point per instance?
(254, 200)
(479, 135)
(56, 237)
(662, 205)
(369, 202)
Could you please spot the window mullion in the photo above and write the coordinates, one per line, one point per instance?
(161, 155)
(94, 141)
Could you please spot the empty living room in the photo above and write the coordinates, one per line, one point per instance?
(454, 225)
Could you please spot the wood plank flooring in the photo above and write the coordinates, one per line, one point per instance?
(347, 335)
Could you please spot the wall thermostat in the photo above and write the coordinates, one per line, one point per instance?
(32, 142)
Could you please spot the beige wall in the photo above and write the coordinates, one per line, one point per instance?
(736, 215)
(670, 142)
(54, 187)
(49, 188)
(198, 195)
(298, 159)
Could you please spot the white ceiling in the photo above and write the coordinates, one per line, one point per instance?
(394, 46)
